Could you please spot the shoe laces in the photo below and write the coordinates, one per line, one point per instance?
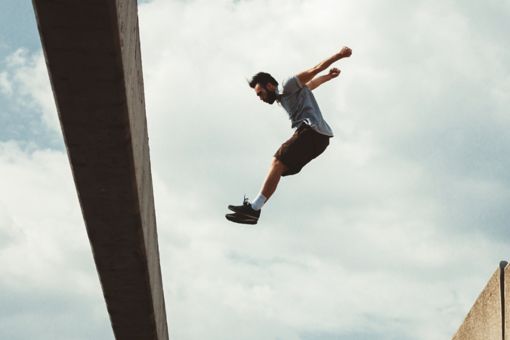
(246, 201)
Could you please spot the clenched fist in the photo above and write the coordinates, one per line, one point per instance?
(345, 52)
(334, 72)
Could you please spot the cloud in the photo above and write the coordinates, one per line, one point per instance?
(366, 226)
(5, 84)
(48, 278)
(24, 81)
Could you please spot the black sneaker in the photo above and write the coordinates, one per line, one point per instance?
(245, 209)
(236, 218)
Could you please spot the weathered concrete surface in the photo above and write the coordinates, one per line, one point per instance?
(484, 320)
(506, 305)
(92, 51)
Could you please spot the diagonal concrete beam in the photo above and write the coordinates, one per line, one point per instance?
(92, 51)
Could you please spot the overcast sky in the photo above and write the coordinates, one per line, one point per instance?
(390, 234)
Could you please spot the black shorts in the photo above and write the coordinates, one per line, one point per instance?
(304, 145)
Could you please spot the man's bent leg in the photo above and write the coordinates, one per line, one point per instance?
(252, 209)
(268, 188)
(249, 213)
(273, 177)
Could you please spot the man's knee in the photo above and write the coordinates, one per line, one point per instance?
(278, 165)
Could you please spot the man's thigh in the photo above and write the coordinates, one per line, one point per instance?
(300, 149)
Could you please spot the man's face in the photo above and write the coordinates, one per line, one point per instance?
(266, 93)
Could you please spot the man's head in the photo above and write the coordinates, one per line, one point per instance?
(265, 87)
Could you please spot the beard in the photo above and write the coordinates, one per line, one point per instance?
(271, 97)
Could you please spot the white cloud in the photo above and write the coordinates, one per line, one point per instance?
(17, 58)
(25, 81)
(5, 84)
(47, 268)
(363, 235)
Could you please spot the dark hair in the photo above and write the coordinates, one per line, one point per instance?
(263, 79)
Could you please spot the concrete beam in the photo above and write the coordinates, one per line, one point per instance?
(92, 51)
(485, 319)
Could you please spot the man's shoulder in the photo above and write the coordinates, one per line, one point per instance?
(291, 85)
(291, 79)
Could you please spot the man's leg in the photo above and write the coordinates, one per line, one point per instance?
(268, 188)
(250, 212)
(273, 177)
(298, 151)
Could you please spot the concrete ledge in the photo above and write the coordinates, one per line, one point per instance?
(92, 51)
(484, 320)
(506, 305)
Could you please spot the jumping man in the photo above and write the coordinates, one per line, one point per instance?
(309, 140)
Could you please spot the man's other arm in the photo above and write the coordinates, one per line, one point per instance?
(306, 76)
(316, 82)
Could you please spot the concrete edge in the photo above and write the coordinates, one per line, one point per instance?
(486, 319)
(505, 267)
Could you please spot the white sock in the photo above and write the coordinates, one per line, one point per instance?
(258, 202)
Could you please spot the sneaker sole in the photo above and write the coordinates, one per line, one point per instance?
(233, 208)
(242, 219)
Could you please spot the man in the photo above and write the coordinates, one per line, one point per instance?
(310, 139)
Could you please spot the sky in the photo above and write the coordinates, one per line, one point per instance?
(390, 234)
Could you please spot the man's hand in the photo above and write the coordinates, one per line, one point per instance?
(345, 52)
(334, 72)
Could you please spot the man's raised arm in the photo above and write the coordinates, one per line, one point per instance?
(316, 82)
(306, 76)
